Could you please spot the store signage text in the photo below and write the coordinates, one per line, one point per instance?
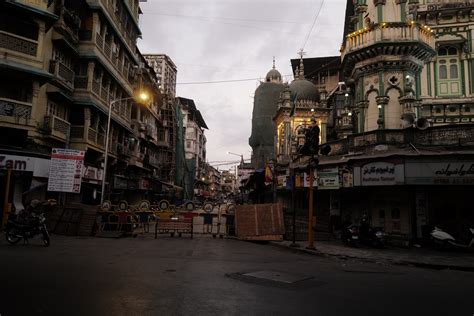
(460, 171)
(15, 164)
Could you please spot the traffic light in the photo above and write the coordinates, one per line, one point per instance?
(311, 143)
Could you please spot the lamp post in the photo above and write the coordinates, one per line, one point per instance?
(143, 97)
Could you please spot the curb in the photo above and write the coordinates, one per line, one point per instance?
(370, 260)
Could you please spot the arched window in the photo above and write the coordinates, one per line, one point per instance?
(449, 74)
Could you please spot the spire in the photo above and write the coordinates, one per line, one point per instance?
(301, 68)
(273, 62)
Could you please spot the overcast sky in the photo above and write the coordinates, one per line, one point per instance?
(212, 40)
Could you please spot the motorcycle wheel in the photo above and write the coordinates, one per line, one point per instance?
(11, 238)
(46, 239)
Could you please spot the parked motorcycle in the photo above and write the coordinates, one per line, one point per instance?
(350, 235)
(443, 239)
(374, 237)
(29, 223)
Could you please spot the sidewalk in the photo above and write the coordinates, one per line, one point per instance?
(419, 257)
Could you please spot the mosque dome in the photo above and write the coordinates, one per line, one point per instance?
(303, 89)
(273, 75)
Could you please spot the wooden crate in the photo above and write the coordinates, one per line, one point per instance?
(259, 222)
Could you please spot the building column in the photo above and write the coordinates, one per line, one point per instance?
(41, 35)
(382, 101)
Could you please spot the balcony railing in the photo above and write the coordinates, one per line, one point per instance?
(123, 150)
(14, 108)
(110, 54)
(18, 43)
(89, 135)
(80, 82)
(395, 32)
(57, 126)
(62, 72)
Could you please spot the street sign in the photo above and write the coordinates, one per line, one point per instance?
(65, 170)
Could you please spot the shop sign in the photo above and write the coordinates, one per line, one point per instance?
(440, 173)
(329, 178)
(379, 173)
(144, 184)
(306, 179)
(92, 173)
(65, 170)
(39, 166)
(347, 177)
(281, 181)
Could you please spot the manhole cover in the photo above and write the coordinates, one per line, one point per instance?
(276, 276)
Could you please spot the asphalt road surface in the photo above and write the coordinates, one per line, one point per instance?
(205, 276)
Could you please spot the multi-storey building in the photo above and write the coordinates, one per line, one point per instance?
(67, 62)
(228, 183)
(194, 141)
(166, 72)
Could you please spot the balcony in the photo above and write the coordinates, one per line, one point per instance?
(14, 111)
(123, 150)
(393, 37)
(56, 127)
(81, 134)
(67, 26)
(110, 52)
(18, 43)
(62, 72)
(35, 3)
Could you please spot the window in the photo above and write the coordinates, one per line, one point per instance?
(449, 75)
(188, 144)
(55, 109)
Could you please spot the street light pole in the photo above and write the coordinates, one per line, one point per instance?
(144, 97)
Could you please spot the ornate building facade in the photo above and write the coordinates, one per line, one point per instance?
(400, 133)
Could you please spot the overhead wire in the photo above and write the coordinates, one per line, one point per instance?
(312, 25)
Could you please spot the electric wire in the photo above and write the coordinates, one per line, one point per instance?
(312, 25)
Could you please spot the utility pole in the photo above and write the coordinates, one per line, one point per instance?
(310, 209)
(6, 203)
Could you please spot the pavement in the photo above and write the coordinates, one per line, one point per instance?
(419, 257)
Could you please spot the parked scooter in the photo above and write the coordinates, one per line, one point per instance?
(443, 239)
(29, 223)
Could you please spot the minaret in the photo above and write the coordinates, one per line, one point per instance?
(382, 56)
(265, 107)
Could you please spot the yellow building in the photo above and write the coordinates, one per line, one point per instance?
(62, 64)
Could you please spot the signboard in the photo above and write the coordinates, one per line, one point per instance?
(306, 179)
(379, 174)
(440, 173)
(65, 170)
(347, 177)
(329, 178)
(92, 173)
(282, 181)
(39, 166)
